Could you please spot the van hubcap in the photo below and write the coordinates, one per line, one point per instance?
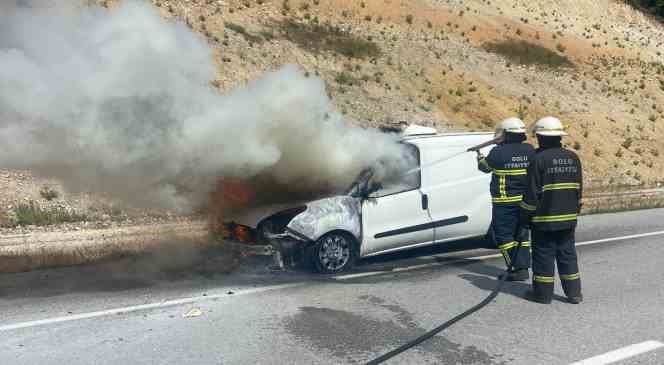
(334, 252)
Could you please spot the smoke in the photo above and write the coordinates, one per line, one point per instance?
(120, 102)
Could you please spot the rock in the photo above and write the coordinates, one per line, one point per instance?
(193, 312)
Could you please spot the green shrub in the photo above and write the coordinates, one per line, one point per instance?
(345, 78)
(32, 214)
(526, 53)
(653, 6)
(48, 193)
(243, 32)
(318, 38)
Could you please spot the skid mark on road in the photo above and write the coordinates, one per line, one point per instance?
(354, 338)
(622, 353)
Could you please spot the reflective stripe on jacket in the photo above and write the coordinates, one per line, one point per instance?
(508, 163)
(555, 187)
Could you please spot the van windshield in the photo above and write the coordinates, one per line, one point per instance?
(360, 183)
(404, 177)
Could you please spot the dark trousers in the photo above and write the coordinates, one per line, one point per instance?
(558, 247)
(506, 230)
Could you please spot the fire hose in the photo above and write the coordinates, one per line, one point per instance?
(494, 293)
(471, 149)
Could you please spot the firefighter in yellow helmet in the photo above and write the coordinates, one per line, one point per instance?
(550, 206)
(508, 162)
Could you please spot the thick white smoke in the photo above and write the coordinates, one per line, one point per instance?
(119, 101)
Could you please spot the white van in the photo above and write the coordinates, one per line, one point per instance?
(448, 199)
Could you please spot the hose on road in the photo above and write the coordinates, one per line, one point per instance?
(435, 331)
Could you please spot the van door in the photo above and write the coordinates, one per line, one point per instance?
(397, 215)
(458, 194)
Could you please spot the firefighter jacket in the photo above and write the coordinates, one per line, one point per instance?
(555, 185)
(508, 163)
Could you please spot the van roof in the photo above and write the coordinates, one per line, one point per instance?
(447, 140)
(452, 134)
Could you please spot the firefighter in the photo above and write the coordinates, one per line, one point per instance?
(550, 206)
(508, 162)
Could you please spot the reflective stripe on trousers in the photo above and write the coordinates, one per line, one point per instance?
(551, 249)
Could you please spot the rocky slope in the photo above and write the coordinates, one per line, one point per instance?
(434, 63)
(458, 65)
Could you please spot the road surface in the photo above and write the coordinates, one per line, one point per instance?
(134, 314)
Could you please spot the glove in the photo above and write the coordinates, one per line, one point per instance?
(480, 156)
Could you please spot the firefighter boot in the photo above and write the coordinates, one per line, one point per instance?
(575, 300)
(542, 289)
(518, 275)
(532, 297)
(572, 287)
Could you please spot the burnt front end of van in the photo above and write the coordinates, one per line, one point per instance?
(288, 245)
(293, 231)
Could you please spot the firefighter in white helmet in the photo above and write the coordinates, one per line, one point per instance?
(550, 206)
(508, 162)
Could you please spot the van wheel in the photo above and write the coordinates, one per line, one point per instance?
(333, 253)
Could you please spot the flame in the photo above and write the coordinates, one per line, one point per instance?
(242, 234)
(231, 195)
(236, 192)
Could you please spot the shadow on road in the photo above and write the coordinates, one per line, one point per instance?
(167, 264)
(485, 277)
(173, 266)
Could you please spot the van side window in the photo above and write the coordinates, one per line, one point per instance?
(406, 177)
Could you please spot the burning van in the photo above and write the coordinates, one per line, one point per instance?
(444, 199)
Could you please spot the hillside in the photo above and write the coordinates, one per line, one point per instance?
(458, 65)
(598, 65)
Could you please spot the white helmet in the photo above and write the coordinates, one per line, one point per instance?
(549, 126)
(510, 125)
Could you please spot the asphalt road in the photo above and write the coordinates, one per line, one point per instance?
(124, 314)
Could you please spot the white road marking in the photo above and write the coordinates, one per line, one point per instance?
(640, 235)
(175, 302)
(621, 354)
(135, 308)
(483, 257)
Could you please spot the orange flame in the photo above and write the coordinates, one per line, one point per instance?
(231, 194)
(236, 192)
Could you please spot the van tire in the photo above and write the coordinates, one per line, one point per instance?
(333, 253)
